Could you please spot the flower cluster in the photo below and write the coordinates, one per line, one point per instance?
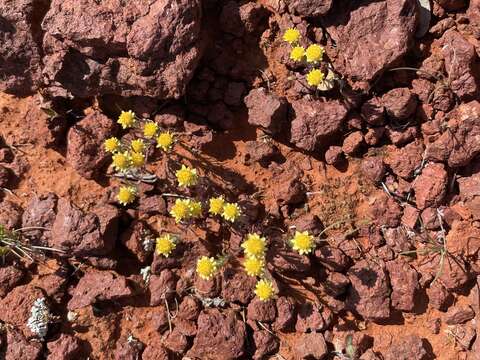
(165, 244)
(185, 209)
(207, 267)
(229, 211)
(303, 242)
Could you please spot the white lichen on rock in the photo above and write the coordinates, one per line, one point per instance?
(39, 318)
(146, 272)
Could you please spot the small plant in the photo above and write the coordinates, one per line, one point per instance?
(264, 289)
(254, 246)
(186, 176)
(303, 242)
(165, 244)
(39, 318)
(127, 119)
(207, 267)
(254, 266)
(231, 212)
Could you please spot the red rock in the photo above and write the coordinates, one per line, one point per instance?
(404, 161)
(452, 5)
(40, 212)
(265, 344)
(410, 216)
(289, 189)
(128, 350)
(162, 287)
(98, 286)
(237, 20)
(307, 8)
(286, 314)
(189, 308)
(237, 286)
(176, 342)
(431, 186)
(262, 152)
(352, 143)
(152, 205)
(287, 260)
(470, 193)
(128, 53)
(430, 220)
(454, 273)
(220, 336)
(369, 294)
(309, 318)
(6, 176)
(11, 215)
(440, 27)
(234, 93)
(385, 210)
(464, 239)
(459, 315)
(374, 135)
(308, 222)
(397, 239)
(336, 284)
(311, 345)
(409, 347)
(362, 32)
(333, 155)
(443, 99)
(369, 355)
(155, 352)
(316, 123)
(66, 347)
(373, 111)
(404, 281)
(133, 239)
(221, 116)
(401, 136)
(399, 103)
(266, 110)
(259, 310)
(18, 347)
(332, 258)
(10, 276)
(373, 169)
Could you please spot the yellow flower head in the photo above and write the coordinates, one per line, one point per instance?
(254, 246)
(206, 267)
(315, 77)
(150, 129)
(121, 161)
(264, 290)
(254, 266)
(292, 36)
(195, 208)
(165, 245)
(165, 141)
(231, 212)
(137, 159)
(186, 176)
(112, 145)
(180, 210)
(138, 145)
(297, 53)
(126, 195)
(126, 119)
(314, 53)
(216, 205)
(303, 242)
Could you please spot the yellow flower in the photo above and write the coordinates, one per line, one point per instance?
(291, 36)
(297, 53)
(138, 145)
(231, 212)
(121, 161)
(180, 210)
(150, 129)
(315, 77)
(206, 267)
(264, 290)
(137, 159)
(195, 208)
(254, 246)
(314, 53)
(126, 195)
(112, 145)
(165, 141)
(126, 119)
(254, 266)
(216, 205)
(303, 242)
(186, 176)
(165, 245)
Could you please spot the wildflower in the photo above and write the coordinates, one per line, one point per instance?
(303, 242)
(126, 119)
(112, 145)
(150, 129)
(137, 159)
(297, 53)
(264, 290)
(206, 267)
(195, 208)
(216, 205)
(254, 266)
(186, 176)
(165, 141)
(121, 161)
(314, 53)
(231, 212)
(138, 145)
(291, 36)
(315, 77)
(165, 245)
(126, 195)
(254, 245)
(180, 210)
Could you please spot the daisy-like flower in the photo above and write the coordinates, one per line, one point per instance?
(216, 205)
(186, 176)
(137, 159)
(150, 129)
(138, 145)
(165, 141)
(315, 77)
(121, 161)
(231, 212)
(303, 242)
(112, 145)
(254, 266)
(264, 290)
(254, 246)
(297, 53)
(314, 53)
(206, 267)
(180, 210)
(195, 209)
(126, 195)
(126, 119)
(165, 245)
(292, 36)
